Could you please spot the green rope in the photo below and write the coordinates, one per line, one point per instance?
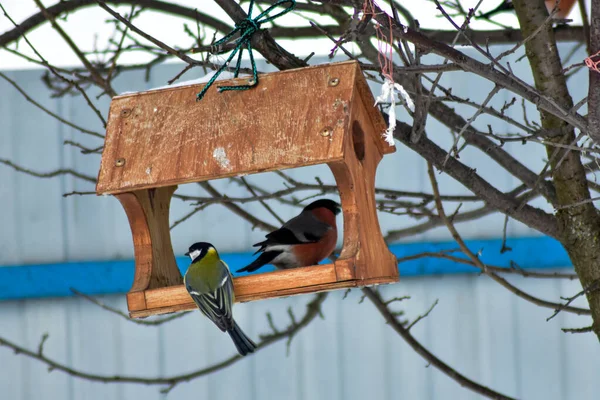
(247, 28)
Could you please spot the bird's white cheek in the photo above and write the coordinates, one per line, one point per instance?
(194, 254)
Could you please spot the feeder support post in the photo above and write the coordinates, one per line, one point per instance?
(148, 214)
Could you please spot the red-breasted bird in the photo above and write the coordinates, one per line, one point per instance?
(564, 8)
(302, 241)
(210, 284)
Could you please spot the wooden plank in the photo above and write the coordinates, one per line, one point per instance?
(344, 269)
(247, 288)
(165, 137)
(374, 261)
(136, 300)
(355, 178)
(251, 288)
(251, 285)
(148, 215)
(188, 304)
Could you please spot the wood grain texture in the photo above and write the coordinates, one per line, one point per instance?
(166, 137)
(314, 115)
(136, 300)
(355, 177)
(148, 215)
(247, 288)
(374, 260)
(168, 305)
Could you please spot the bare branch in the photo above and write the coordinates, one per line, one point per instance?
(392, 321)
(53, 70)
(420, 317)
(312, 311)
(503, 282)
(586, 329)
(105, 84)
(529, 215)
(121, 314)
(256, 223)
(514, 269)
(590, 288)
(52, 174)
(44, 109)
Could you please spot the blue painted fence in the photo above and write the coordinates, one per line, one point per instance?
(103, 277)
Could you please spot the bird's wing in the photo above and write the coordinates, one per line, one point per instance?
(304, 228)
(216, 303)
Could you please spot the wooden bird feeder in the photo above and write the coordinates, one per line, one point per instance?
(158, 139)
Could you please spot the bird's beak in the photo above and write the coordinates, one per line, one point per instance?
(187, 254)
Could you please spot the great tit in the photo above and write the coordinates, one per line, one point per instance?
(302, 241)
(210, 284)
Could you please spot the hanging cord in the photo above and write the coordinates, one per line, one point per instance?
(593, 62)
(385, 56)
(247, 27)
(385, 46)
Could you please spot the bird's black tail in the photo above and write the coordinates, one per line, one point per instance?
(243, 343)
(264, 258)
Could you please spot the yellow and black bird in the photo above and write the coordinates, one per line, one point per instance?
(210, 284)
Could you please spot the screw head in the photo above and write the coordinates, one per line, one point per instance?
(126, 112)
(119, 162)
(334, 81)
(326, 132)
(251, 82)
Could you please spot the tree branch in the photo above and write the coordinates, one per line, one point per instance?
(44, 109)
(51, 174)
(579, 226)
(528, 215)
(503, 282)
(393, 322)
(313, 310)
(470, 64)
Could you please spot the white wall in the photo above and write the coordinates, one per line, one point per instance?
(478, 327)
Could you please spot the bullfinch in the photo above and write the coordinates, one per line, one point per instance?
(302, 241)
(564, 8)
(210, 284)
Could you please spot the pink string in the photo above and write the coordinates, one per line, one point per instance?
(593, 64)
(386, 50)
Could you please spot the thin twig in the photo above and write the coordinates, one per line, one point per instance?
(312, 311)
(262, 202)
(44, 109)
(120, 313)
(503, 282)
(420, 317)
(51, 174)
(590, 288)
(392, 320)
(104, 84)
(54, 71)
(586, 329)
